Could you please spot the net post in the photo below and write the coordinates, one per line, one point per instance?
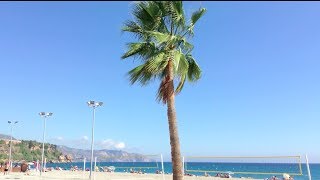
(95, 165)
(183, 165)
(45, 164)
(37, 168)
(162, 167)
(300, 166)
(308, 168)
(84, 166)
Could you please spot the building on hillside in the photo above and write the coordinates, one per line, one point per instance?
(7, 141)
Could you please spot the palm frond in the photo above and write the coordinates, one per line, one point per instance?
(156, 64)
(180, 17)
(160, 27)
(183, 67)
(148, 14)
(133, 27)
(140, 49)
(197, 15)
(194, 71)
(176, 60)
(158, 36)
(140, 74)
(181, 84)
(194, 18)
(182, 43)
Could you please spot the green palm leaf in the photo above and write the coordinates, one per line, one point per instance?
(160, 29)
(194, 18)
(141, 49)
(194, 71)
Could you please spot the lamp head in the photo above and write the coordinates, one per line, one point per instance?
(94, 103)
(90, 103)
(45, 114)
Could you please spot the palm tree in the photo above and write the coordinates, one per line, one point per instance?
(162, 33)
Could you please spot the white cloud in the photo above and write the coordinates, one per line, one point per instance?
(58, 139)
(84, 138)
(120, 145)
(84, 143)
(80, 143)
(110, 144)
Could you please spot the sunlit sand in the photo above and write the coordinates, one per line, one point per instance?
(98, 176)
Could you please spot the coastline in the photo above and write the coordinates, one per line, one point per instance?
(66, 174)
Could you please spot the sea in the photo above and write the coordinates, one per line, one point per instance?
(209, 168)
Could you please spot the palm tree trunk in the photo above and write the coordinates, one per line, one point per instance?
(173, 129)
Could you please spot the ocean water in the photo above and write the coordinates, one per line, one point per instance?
(152, 167)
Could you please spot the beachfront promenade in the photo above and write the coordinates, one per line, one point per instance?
(98, 176)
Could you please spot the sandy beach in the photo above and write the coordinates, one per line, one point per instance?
(98, 176)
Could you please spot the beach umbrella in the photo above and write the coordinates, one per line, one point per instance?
(286, 176)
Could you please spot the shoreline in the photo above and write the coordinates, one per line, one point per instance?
(66, 174)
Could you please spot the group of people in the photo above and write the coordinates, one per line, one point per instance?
(276, 178)
(74, 168)
(22, 167)
(223, 175)
(58, 168)
(137, 172)
(272, 178)
(188, 174)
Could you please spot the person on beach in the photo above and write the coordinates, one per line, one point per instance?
(287, 177)
(6, 168)
(274, 178)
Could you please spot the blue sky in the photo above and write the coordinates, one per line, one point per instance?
(259, 92)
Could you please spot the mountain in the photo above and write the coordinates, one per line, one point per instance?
(5, 137)
(27, 150)
(103, 155)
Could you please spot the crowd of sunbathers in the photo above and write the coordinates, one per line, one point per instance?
(276, 178)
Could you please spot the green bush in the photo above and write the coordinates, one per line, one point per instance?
(23, 151)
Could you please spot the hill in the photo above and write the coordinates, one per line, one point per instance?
(103, 155)
(28, 150)
(5, 137)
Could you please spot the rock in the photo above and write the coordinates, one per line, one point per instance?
(62, 158)
(34, 148)
(68, 158)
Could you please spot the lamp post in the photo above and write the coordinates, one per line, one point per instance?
(94, 105)
(10, 157)
(45, 115)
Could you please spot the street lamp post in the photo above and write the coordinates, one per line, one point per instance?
(45, 115)
(10, 157)
(94, 105)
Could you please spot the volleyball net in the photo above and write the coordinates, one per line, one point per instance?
(136, 164)
(243, 165)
